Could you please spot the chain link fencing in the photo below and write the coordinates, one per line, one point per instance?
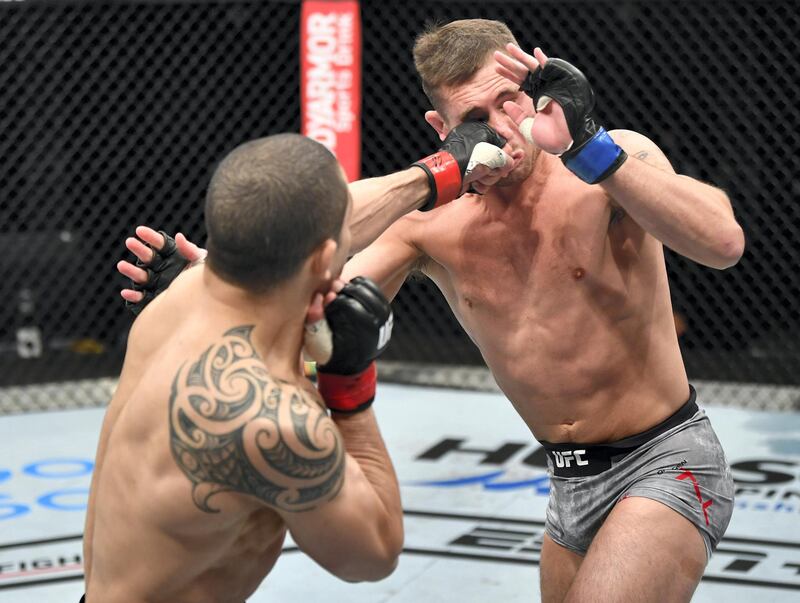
(113, 115)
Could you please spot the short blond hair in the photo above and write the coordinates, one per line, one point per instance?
(451, 54)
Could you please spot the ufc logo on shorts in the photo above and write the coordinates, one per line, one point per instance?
(385, 333)
(565, 458)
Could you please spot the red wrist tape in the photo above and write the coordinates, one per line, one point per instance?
(446, 174)
(348, 393)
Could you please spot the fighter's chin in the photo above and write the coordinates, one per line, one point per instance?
(519, 173)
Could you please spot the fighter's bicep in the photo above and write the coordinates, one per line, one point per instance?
(299, 457)
(390, 259)
(641, 148)
(348, 529)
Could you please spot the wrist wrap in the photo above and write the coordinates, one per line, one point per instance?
(348, 394)
(444, 178)
(596, 159)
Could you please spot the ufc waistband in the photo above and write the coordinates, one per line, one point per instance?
(578, 460)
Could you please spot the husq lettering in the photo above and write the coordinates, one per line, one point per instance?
(565, 458)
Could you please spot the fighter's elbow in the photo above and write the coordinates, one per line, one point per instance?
(393, 546)
(729, 236)
(382, 568)
(728, 247)
(373, 565)
(386, 558)
(371, 569)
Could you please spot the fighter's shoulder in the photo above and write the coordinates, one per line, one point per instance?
(417, 228)
(642, 148)
(428, 231)
(443, 218)
(147, 332)
(236, 428)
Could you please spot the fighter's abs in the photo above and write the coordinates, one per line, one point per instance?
(554, 296)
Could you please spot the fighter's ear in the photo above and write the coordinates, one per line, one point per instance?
(436, 121)
(321, 260)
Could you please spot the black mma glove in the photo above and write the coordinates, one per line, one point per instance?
(593, 156)
(360, 319)
(164, 268)
(461, 151)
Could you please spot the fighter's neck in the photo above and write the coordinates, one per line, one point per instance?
(526, 191)
(278, 316)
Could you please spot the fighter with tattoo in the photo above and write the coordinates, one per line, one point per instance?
(557, 273)
(215, 444)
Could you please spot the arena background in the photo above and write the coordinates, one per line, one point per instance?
(113, 114)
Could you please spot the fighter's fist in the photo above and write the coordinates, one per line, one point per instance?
(565, 127)
(359, 324)
(360, 319)
(467, 146)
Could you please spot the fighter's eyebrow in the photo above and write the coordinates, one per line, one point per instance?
(467, 113)
(507, 92)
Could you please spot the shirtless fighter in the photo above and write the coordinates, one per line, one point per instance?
(557, 273)
(214, 443)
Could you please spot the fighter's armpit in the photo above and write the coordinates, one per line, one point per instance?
(641, 148)
(617, 214)
(234, 428)
(419, 267)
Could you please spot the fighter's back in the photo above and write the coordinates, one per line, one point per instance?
(149, 539)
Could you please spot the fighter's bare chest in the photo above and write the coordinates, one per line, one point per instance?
(487, 257)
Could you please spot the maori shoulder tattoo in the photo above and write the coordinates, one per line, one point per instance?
(233, 428)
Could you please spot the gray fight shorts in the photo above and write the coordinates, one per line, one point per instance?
(678, 463)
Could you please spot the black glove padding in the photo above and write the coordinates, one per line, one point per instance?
(593, 156)
(461, 141)
(164, 268)
(360, 319)
(565, 84)
(447, 168)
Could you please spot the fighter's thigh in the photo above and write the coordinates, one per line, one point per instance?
(557, 569)
(644, 552)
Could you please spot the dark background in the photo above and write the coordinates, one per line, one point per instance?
(113, 115)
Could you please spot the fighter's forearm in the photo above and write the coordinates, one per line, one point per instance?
(379, 202)
(690, 217)
(364, 443)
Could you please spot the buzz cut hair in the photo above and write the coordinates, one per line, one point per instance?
(269, 204)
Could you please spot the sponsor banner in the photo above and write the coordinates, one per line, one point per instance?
(330, 79)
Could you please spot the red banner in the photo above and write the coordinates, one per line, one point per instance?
(330, 79)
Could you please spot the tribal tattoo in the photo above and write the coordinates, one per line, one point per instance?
(233, 428)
